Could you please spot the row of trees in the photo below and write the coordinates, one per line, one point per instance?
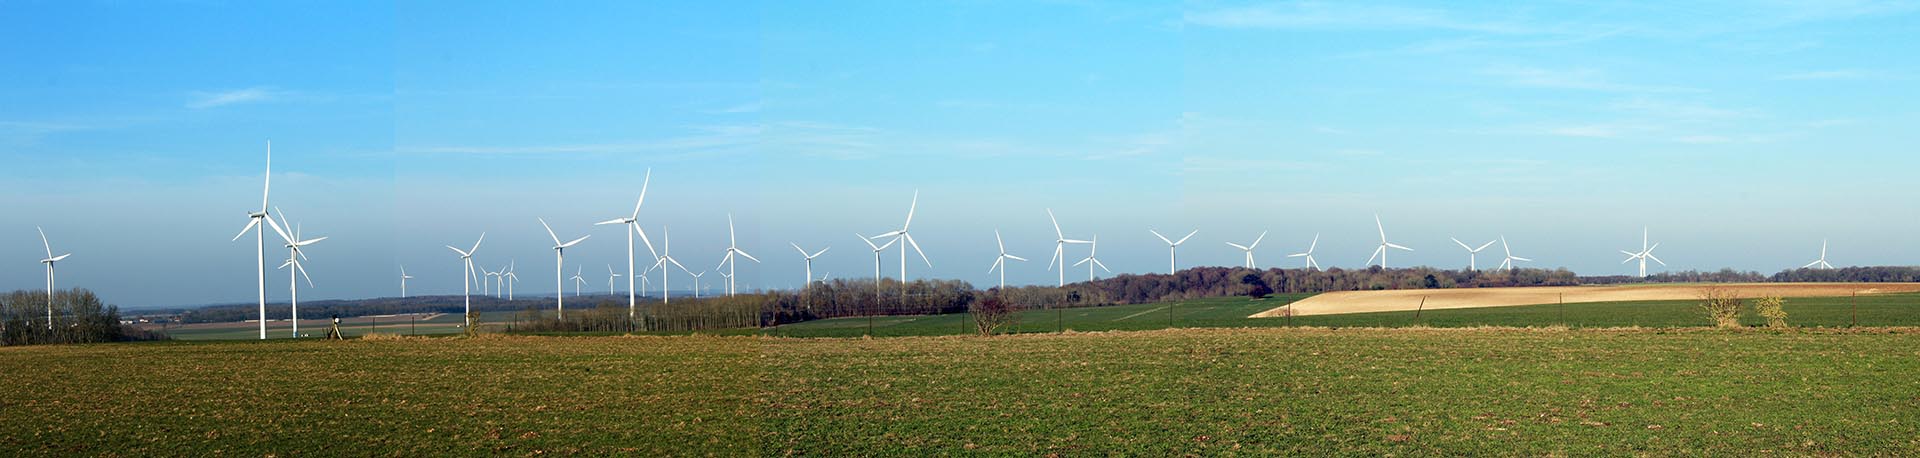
(78, 317)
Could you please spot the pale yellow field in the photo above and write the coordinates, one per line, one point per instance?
(1410, 299)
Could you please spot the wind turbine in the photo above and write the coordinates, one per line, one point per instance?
(611, 276)
(877, 249)
(1472, 252)
(49, 262)
(560, 262)
(1509, 263)
(903, 234)
(1000, 262)
(254, 220)
(696, 281)
(1646, 252)
(1381, 252)
(803, 253)
(1822, 262)
(510, 278)
(1092, 261)
(666, 256)
(1309, 253)
(1249, 248)
(730, 262)
(403, 281)
(1060, 248)
(577, 281)
(487, 287)
(294, 254)
(1171, 247)
(632, 224)
(466, 283)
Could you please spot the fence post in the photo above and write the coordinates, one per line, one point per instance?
(1855, 305)
(376, 326)
(1563, 310)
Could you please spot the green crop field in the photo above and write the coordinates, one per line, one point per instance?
(1306, 391)
(1872, 310)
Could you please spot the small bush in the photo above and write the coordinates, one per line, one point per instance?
(1774, 309)
(1722, 306)
(991, 313)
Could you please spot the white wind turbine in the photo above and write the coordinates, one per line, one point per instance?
(559, 263)
(50, 259)
(877, 249)
(466, 277)
(577, 281)
(1249, 249)
(403, 281)
(1472, 264)
(666, 257)
(1510, 263)
(1171, 247)
(696, 281)
(254, 223)
(611, 276)
(487, 287)
(903, 234)
(803, 254)
(1821, 263)
(1646, 252)
(1060, 241)
(999, 262)
(294, 254)
(1309, 253)
(1091, 260)
(632, 225)
(730, 261)
(500, 281)
(1381, 252)
(510, 278)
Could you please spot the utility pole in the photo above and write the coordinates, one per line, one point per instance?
(1423, 306)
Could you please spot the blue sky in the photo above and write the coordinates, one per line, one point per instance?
(1741, 133)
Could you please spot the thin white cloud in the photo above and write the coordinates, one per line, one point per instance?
(205, 100)
(1579, 79)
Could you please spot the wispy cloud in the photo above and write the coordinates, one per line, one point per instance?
(205, 100)
(1579, 79)
(1341, 15)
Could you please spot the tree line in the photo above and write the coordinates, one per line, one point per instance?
(78, 317)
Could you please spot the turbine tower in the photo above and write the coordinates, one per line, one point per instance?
(510, 278)
(903, 234)
(730, 261)
(666, 257)
(1249, 248)
(294, 255)
(999, 262)
(1091, 260)
(1171, 247)
(611, 276)
(577, 282)
(1381, 252)
(877, 249)
(254, 223)
(1820, 263)
(1646, 252)
(466, 283)
(1060, 241)
(803, 254)
(560, 262)
(1510, 263)
(49, 262)
(1472, 264)
(632, 225)
(1309, 253)
(403, 281)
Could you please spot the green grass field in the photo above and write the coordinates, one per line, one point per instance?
(1305, 391)
(1874, 310)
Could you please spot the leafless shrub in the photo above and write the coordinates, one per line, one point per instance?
(1721, 305)
(1774, 309)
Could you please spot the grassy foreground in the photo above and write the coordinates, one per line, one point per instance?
(1243, 391)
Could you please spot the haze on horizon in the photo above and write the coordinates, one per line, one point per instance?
(1741, 134)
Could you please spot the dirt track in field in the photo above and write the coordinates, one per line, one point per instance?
(1409, 299)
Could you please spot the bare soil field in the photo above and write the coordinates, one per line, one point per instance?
(1410, 299)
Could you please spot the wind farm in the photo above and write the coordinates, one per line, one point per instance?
(133, 134)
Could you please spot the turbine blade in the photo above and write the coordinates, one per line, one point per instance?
(1236, 245)
(1399, 247)
(310, 241)
(1483, 247)
(49, 245)
(1102, 266)
(1316, 243)
(999, 242)
(543, 223)
(890, 243)
(749, 256)
(1376, 254)
(1056, 225)
(1517, 258)
(476, 244)
(1656, 259)
(1189, 235)
(574, 242)
(643, 193)
(457, 250)
(916, 249)
(1382, 228)
(1082, 261)
(251, 222)
(1016, 258)
(1462, 245)
(1057, 251)
(889, 234)
(267, 184)
(297, 267)
(611, 221)
(996, 264)
(278, 230)
(822, 251)
(1162, 237)
(731, 241)
(1256, 240)
(1296, 255)
(910, 208)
